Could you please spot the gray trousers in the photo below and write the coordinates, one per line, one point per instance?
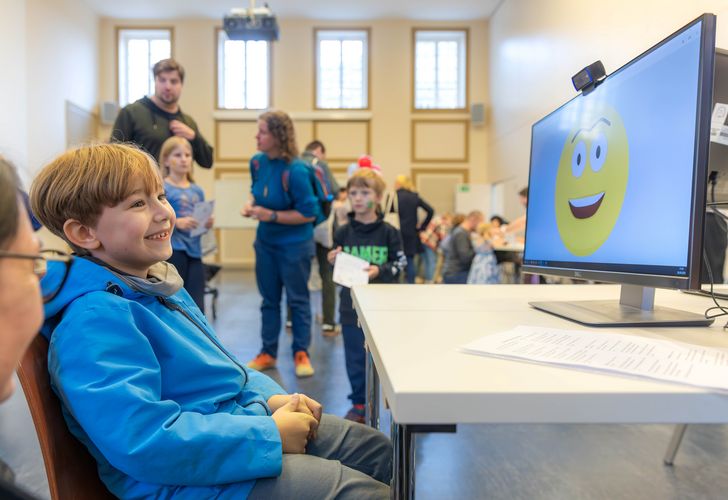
(346, 460)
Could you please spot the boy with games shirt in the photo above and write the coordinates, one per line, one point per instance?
(145, 384)
(366, 236)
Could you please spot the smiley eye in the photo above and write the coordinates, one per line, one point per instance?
(598, 152)
(578, 160)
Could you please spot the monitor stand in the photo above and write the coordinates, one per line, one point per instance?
(636, 307)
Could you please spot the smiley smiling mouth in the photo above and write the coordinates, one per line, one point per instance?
(585, 207)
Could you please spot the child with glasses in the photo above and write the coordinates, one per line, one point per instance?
(146, 385)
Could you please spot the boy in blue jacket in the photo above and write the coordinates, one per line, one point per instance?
(145, 384)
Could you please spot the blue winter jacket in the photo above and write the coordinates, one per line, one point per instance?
(146, 385)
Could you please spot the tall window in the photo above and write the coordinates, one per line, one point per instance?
(139, 50)
(440, 69)
(342, 67)
(243, 73)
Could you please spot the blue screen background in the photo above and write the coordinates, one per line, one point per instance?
(657, 100)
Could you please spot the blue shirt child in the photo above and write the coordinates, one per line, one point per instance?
(183, 202)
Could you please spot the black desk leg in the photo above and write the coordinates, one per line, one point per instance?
(403, 463)
(372, 381)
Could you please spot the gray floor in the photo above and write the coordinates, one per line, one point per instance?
(496, 461)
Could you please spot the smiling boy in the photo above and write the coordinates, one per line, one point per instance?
(165, 409)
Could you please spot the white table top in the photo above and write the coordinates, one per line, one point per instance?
(413, 332)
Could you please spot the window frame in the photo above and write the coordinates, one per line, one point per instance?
(368, 80)
(118, 30)
(413, 74)
(216, 96)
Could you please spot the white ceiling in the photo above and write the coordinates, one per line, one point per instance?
(354, 10)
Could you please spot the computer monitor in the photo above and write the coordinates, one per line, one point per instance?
(617, 183)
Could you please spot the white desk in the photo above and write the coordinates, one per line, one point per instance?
(412, 332)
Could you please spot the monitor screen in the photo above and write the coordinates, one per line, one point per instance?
(616, 175)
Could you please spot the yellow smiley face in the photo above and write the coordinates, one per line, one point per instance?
(592, 181)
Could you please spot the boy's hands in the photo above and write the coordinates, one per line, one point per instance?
(306, 405)
(294, 427)
(332, 255)
(186, 223)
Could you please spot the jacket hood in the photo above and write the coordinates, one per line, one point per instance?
(86, 276)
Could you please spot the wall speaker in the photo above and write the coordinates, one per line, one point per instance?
(109, 111)
(477, 114)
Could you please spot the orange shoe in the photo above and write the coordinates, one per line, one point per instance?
(263, 361)
(303, 364)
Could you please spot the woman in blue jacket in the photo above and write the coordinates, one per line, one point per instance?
(284, 203)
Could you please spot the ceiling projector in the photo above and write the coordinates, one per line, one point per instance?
(255, 23)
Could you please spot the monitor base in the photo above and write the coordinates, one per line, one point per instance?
(610, 313)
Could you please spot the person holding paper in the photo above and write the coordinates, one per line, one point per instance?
(368, 237)
(175, 160)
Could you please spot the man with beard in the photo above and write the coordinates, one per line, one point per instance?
(150, 121)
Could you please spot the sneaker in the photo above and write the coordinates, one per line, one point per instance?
(303, 364)
(329, 330)
(356, 414)
(263, 361)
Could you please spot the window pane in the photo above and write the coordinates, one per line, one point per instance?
(138, 69)
(233, 67)
(342, 71)
(440, 69)
(243, 73)
(138, 50)
(257, 74)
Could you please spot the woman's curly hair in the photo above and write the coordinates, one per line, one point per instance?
(280, 126)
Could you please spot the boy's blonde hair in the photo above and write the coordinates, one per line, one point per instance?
(81, 182)
(168, 146)
(366, 177)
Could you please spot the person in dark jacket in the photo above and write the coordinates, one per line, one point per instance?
(150, 121)
(368, 237)
(408, 202)
(460, 252)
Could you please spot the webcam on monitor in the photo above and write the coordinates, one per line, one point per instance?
(588, 78)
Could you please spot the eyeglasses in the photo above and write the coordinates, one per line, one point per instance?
(40, 267)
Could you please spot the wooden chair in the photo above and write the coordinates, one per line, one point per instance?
(70, 468)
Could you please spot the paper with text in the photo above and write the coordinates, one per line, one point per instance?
(350, 270)
(611, 352)
(718, 128)
(201, 213)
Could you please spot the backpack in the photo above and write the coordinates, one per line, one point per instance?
(321, 188)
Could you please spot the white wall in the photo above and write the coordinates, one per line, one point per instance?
(13, 109)
(62, 64)
(535, 48)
